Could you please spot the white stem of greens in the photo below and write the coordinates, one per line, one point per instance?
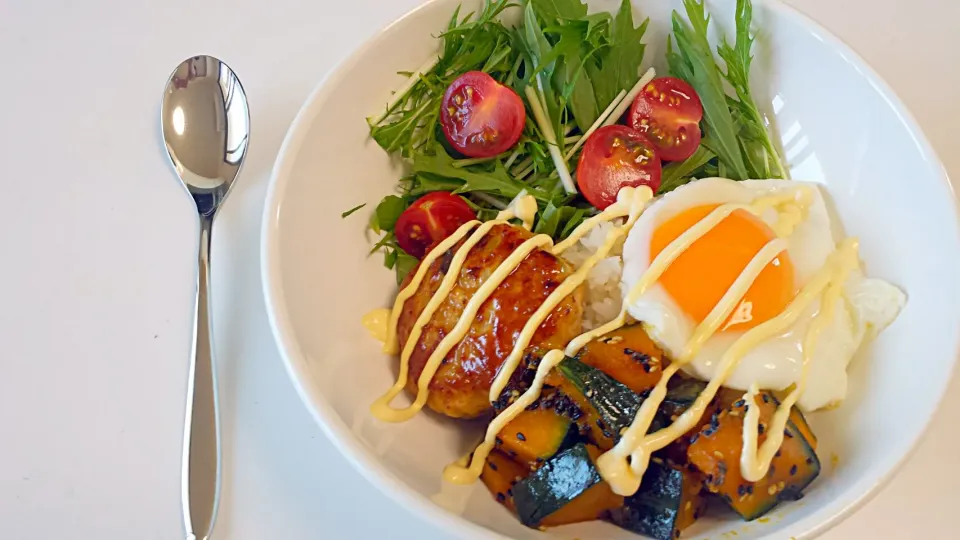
(597, 123)
(522, 165)
(572, 139)
(513, 157)
(461, 163)
(402, 92)
(631, 95)
(551, 136)
(496, 203)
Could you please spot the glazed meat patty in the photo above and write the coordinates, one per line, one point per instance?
(461, 386)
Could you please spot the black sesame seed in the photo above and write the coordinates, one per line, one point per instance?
(739, 404)
(676, 533)
(722, 468)
(521, 437)
(749, 489)
(501, 497)
(742, 490)
(793, 470)
(694, 438)
(499, 441)
(761, 429)
(492, 465)
(809, 461)
(777, 454)
(766, 398)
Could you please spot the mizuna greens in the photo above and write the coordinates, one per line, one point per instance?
(575, 71)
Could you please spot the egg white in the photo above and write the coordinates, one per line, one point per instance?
(869, 304)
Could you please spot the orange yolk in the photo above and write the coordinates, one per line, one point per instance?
(701, 275)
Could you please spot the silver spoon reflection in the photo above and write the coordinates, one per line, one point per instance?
(206, 128)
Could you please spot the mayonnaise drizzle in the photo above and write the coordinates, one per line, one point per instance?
(376, 323)
(522, 207)
(381, 408)
(629, 199)
(623, 466)
(624, 475)
(392, 344)
(753, 463)
(456, 473)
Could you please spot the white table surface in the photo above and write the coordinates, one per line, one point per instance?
(97, 243)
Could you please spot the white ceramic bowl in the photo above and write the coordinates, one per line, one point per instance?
(839, 123)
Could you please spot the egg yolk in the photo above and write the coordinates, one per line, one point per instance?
(701, 275)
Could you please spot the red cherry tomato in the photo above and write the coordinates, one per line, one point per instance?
(481, 117)
(613, 157)
(429, 220)
(668, 112)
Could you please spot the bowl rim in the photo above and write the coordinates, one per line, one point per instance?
(336, 429)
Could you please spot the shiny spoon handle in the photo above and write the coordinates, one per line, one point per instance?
(200, 462)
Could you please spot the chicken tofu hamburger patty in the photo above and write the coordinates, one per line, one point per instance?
(461, 386)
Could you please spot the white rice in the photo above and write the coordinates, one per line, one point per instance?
(602, 299)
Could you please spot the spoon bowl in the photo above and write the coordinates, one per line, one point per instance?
(206, 127)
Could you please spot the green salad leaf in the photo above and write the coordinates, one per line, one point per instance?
(404, 263)
(678, 173)
(495, 180)
(561, 9)
(352, 210)
(620, 61)
(736, 132)
(693, 61)
(761, 156)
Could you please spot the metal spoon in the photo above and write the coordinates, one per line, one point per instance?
(206, 128)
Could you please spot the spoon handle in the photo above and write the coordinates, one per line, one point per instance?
(200, 462)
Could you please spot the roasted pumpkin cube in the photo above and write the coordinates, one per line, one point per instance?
(566, 489)
(669, 500)
(608, 405)
(500, 474)
(716, 454)
(628, 355)
(541, 430)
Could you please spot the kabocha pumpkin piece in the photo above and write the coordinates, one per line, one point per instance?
(566, 489)
(800, 421)
(541, 430)
(500, 474)
(716, 453)
(682, 392)
(609, 405)
(628, 355)
(669, 500)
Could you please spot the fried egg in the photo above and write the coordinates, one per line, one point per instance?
(692, 285)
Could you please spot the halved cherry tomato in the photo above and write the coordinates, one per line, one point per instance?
(613, 157)
(429, 220)
(481, 117)
(668, 112)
